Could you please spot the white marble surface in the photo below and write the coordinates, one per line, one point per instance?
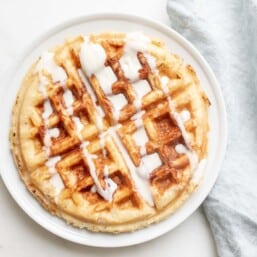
(20, 23)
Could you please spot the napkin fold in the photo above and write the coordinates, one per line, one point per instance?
(225, 32)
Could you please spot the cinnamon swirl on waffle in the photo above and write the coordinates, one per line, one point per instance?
(109, 131)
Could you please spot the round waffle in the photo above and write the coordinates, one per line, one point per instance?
(109, 131)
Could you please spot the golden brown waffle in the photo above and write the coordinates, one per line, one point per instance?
(107, 166)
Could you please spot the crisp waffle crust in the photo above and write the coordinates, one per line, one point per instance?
(109, 131)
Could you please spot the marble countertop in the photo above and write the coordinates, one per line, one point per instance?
(20, 23)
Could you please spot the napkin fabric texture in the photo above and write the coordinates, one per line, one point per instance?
(225, 33)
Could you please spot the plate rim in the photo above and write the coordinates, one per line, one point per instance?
(170, 32)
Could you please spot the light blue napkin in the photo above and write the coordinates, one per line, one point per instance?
(225, 32)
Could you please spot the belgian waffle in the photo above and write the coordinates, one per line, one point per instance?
(109, 131)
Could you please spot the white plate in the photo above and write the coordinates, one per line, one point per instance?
(125, 23)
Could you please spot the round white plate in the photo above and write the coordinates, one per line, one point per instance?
(123, 23)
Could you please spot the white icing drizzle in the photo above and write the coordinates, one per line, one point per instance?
(135, 42)
(179, 122)
(140, 136)
(185, 115)
(99, 113)
(48, 110)
(164, 84)
(48, 64)
(181, 149)
(151, 61)
(106, 171)
(130, 65)
(138, 42)
(102, 144)
(79, 126)
(68, 100)
(93, 189)
(137, 103)
(118, 102)
(138, 122)
(141, 88)
(106, 78)
(141, 139)
(57, 182)
(86, 38)
(111, 186)
(142, 185)
(54, 132)
(143, 150)
(89, 157)
(148, 164)
(137, 118)
(99, 119)
(92, 57)
(50, 133)
(175, 115)
(51, 162)
(89, 52)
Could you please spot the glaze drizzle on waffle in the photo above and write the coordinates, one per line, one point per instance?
(110, 131)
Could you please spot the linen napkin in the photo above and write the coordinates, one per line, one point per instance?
(225, 32)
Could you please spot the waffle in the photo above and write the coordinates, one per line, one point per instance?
(109, 131)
